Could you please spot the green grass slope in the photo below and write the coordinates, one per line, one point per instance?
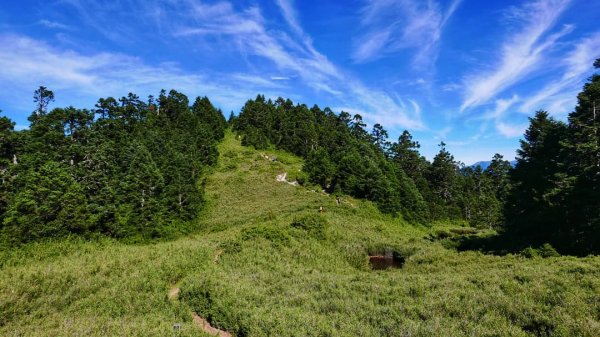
(265, 262)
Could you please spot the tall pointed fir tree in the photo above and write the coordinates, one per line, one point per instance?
(583, 170)
(532, 210)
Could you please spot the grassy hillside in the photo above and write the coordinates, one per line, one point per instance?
(266, 263)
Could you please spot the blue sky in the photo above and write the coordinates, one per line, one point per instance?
(466, 72)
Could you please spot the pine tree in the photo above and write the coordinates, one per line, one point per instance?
(380, 136)
(582, 174)
(140, 210)
(478, 199)
(406, 155)
(319, 167)
(357, 128)
(130, 172)
(42, 97)
(7, 158)
(173, 105)
(231, 119)
(442, 177)
(7, 145)
(531, 207)
(209, 115)
(498, 172)
(49, 204)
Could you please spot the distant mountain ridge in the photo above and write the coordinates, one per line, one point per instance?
(485, 164)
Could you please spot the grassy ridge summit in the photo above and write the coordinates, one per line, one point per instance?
(266, 262)
(549, 196)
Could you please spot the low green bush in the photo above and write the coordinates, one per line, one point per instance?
(464, 230)
(231, 246)
(276, 235)
(441, 234)
(530, 252)
(314, 224)
(302, 178)
(546, 250)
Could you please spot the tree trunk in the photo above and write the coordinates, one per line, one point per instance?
(143, 198)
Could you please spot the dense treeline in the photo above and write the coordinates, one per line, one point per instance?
(130, 168)
(341, 156)
(127, 169)
(551, 196)
(555, 194)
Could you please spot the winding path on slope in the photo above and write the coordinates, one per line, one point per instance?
(200, 322)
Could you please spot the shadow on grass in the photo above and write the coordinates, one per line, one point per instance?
(527, 244)
(496, 244)
(485, 241)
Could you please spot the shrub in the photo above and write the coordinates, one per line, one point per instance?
(301, 177)
(442, 234)
(464, 230)
(231, 166)
(546, 250)
(314, 224)
(530, 252)
(231, 246)
(274, 234)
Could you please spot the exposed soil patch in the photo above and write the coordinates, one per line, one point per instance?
(217, 255)
(174, 293)
(283, 179)
(199, 321)
(206, 327)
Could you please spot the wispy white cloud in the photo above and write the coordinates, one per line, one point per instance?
(577, 64)
(102, 16)
(28, 63)
(510, 130)
(378, 107)
(247, 30)
(221, 27)
(297, 56)
(369, 47)
(502, 105)
(443, 133)
(24, 58)
(498, 116)
(521, 52)
(451, 87)
(558, 97)
(256, 81)
(392, 26)
(53, 24)
(291, 17)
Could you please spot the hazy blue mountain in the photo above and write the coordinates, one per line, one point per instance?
(485, 164)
